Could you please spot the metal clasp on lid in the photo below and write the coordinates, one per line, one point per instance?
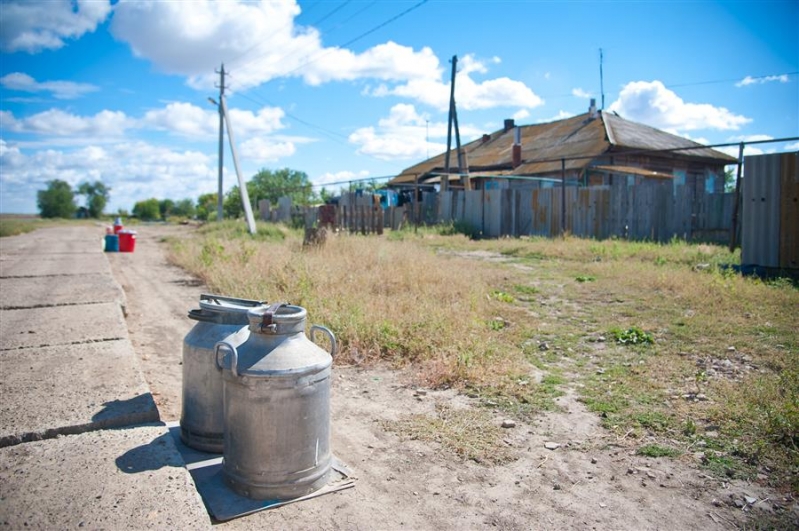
(267, 325)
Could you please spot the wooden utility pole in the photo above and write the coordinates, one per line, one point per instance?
(245, 197)
(445, 179)
(219, 202)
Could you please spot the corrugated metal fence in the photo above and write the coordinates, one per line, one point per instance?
(770, 235)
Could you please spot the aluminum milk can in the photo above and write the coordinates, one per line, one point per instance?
(276, 388)
(218, 319)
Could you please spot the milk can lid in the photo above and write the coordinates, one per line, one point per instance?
(277, 318)
(217, 308)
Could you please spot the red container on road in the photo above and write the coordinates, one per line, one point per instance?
(127, 241)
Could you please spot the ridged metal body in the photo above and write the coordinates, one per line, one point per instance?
(276, 407)
(218, 319)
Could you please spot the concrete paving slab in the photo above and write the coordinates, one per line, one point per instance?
(53, 265)
(77, 239)
(62, 325)
(36, 292)
(71, 389)
(109, 479)
(59, 290)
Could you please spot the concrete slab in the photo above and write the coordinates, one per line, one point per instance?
(71, 389)
(63, 325)
(36, 292)
(109, 479)
(71, 239)
(52, 265)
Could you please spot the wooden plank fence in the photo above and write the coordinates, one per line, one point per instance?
(656, 211)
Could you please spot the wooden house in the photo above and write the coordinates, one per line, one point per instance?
(594, 148)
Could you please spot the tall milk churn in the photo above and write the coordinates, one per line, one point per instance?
(276, 388)
(218, 319)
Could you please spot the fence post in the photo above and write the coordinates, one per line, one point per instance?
(733, 229)
(562, 197)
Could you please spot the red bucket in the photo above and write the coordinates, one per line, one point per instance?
(127, 241)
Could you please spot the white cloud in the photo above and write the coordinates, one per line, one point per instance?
(35, 26)
(261, 149)
(580, 93)
(562, 115)
(56, 122)
(791, 147)
(521, 114)
(749, 80)
(62, 90)
(402, 135)
(653, 104)
(469, 94)
(184, 119)
(133, 170)
(749, 138)
(329, 178)
(259, 41)
(266, 120)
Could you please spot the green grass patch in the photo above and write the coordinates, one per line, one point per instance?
(656, 450)
(631, 336)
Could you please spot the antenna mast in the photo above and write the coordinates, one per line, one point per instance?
(601, 80)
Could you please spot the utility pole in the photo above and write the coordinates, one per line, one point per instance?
(245, 197)
(221, 73)
(445, 180)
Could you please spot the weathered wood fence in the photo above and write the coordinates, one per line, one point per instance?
(657, 211)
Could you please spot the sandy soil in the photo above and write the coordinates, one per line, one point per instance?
(592, 480)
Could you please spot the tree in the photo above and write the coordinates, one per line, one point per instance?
(206, 207)
(97, 195)
(729, 179)
(57, 201)
(274, 184)
(325, 195)
(184, 208)
(165, 207)
(147, 210)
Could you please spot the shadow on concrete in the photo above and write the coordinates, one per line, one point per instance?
(156, 454)
(136, 410)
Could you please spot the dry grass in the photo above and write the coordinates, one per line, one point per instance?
(391, 300)
(468, 433)
(722, 373)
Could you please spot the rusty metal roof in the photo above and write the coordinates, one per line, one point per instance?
(577, 141)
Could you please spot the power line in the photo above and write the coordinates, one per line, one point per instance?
(359, 37)
(333, 135)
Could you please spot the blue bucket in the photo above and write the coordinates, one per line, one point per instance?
(111, 243)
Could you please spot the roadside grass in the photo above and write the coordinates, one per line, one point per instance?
(13, 225)
(713, 371)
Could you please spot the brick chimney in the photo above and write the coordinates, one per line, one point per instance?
(592, 109)
(509, 124)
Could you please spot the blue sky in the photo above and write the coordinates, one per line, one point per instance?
(117, 91)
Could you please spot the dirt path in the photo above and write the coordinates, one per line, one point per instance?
(592, 480)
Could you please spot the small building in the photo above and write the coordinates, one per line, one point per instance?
(594, 148)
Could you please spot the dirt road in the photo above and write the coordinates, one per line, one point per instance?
(590, 480)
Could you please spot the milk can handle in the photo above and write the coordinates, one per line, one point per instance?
(329, 334)
(234, 357)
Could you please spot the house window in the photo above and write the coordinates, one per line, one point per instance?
(679, 180)
(710, 184)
